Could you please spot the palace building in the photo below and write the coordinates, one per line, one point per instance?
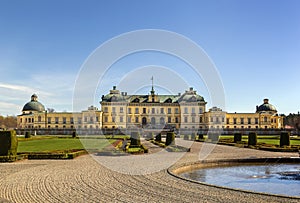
(34, 116)
(120, 110)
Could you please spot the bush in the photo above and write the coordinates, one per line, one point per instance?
(27, 135)
(158, 138)
(135, 139)
(170, 139)
(200, 136)
(193, 136)
(8, 145)
(252, 139)
(237, 137)
(214, 137)
(74, 134)
(186, 137)
(284, 139)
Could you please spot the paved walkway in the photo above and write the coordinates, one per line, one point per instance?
(85, 180)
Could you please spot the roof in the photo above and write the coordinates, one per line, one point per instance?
(33, 105)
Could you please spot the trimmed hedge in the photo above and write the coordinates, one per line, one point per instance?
(193, 136)
(135, 139)
(8, 145)
(186, 137)
(200, 136)
(158, 138)
(214, 137)
(237, 137)
(170, 139)
(284, 139)
(252, 139)
(27, 135)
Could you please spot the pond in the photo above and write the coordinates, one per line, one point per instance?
(279, 179)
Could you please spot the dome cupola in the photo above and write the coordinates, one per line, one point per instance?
(33, 105)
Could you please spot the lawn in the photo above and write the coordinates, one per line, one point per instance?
(48, 144)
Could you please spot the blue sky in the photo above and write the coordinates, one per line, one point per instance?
(255, 46)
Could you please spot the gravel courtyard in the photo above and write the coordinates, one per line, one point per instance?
(85, 180)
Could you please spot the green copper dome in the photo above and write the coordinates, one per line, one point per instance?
(266, 107)
(33, 105)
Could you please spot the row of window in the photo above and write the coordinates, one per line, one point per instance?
(153, 110)
(153, 119)
(241, 120)
(63, 120)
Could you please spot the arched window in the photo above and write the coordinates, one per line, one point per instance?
(162, 120)
(153, 121)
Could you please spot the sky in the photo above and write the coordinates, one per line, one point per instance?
(254, 45)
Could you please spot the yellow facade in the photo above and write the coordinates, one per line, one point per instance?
(153, 111)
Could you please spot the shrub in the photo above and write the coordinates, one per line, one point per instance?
(193, 136)
(284, 139)
(237, 137)
(252, 139)
(170, 139)
(27, 134)
(214, 137)
(74, 134)
(158, 138)
(8, 145)
(135, 139)
(186, 137)
(200, 136)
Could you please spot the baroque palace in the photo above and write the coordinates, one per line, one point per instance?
(153, 111)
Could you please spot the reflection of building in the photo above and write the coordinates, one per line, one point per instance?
(120, 110)
(265, 117)
(153, 111)
(35, 116)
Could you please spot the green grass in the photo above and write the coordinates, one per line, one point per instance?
(48, 144)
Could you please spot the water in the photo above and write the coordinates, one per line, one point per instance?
(281, 179)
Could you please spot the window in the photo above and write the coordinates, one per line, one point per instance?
(72, 120)
(176, 120)
(129, 110)
(56, 120)
(113, 109)
(136, 110)
(227, 120)
(144, 110)
(223, 119)
(242, 120)
(105, 110)
(64, 120)
(121, 110)
(121, 119)
(200, 110)
(265, 119)
(186, 110)
(256, 120)
(49, 119)
(193, 119)
(153, 110)
(79, 120)
(85, 119)
(128, 120)
(176, 110)
(211, 119)
(185, 119)
(201, 120)
(97, 119)
(169, 119)
(136, 119)
(91, 119)
(162, 120)
(217, 119)
(161, 110)
(234, 120)
(169, 111)
(249, 120)
(113, 119)
(193, 110)
(39, 118)
(105, 119)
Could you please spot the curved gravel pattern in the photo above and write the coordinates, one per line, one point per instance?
(85, 180)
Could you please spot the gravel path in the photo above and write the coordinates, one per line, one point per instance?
(85, 180)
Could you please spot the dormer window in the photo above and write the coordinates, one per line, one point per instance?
(169, 100)
(136, 100)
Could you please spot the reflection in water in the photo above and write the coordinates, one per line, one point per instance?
(281, 179)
